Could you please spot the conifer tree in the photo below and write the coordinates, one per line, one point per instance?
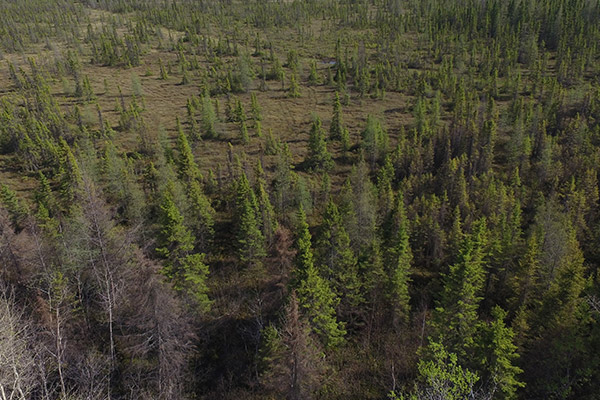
(500, 355)
(258, 128)
(174, 239)
(255, 108)
(70, 179)
(304, 255)
(315, 297)
(190, 277)
(337, 261)
(14, 206)
(293, 358)
(208, 117)
(277, 73)
(399, 269)
(313, 78)
(385, 195)
(318, 156)
(43, 194)
(318, 302)
(282, 181)
(188, 169)
(185, 269)
(294, 90)
(202, 214)
(337, 127)
(442, 377)
(250, 239)
(456, 318)
(265, 208)
(163, 72)
(374, 140)
(244, 138)
(359, 205)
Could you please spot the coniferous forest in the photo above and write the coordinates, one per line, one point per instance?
(307, 199)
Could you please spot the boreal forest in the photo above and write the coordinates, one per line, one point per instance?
(299, 199)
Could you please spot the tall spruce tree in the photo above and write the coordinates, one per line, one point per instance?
(318, 157)
(315, 296)
(188, 169)
(184, 268)
(250, 239)
(337, 261)
(456, 318)
(500, 355)
(400, 266)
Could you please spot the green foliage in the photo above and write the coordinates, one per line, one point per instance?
(304, 258)
(255, 108)
(188, 169)
(400, 270)
(443, 377)
(294, 90)
(209, 118)
(339, 265)
(16, 209)
(313, 78)
(250, 239)
(336, 129)
(494, 111)
(163, 72)
(244, 138)
(500, 357)
(190, 276)
(174, 239)
(315, 296)
(265, 210)
(70, 179)
(456, 318)
(202, 215)
(318, 157)
(318, 302)
(374, 140)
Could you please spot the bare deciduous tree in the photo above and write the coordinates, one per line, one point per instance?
(159, 336)
(17, 362)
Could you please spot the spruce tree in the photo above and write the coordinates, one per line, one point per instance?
(70, 178)
(336, 128)
(9, 200)
(266, 213)
(500, 355)
(294, 90)
(174, 240)
(337, 261)
(456, 318)
(244, 138)
(255, 108)
(191, 276)
(315, 297)
(374, 140)
(442, 377)
(209, 118)
(202, 213)
(318, 156)
(250, 239)
(304, 255)
(400, 267)
(188, 169)
(313, 78)
(163, 72)
(185, 269)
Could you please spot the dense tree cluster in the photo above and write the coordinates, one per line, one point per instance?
(439, 241)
